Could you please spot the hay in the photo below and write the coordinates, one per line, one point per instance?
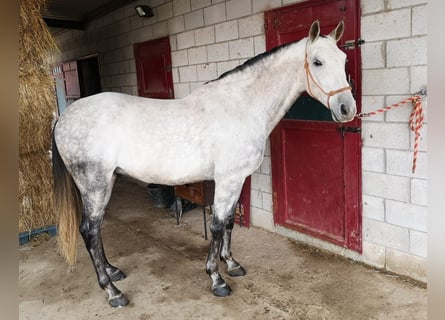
(37, 104)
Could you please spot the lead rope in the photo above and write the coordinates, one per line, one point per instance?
(415, 119)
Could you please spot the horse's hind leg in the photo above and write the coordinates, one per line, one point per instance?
(95, 197)
(233, 267)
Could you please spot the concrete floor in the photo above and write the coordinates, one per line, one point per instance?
(166, 278)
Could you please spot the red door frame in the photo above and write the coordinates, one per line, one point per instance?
(353, 217)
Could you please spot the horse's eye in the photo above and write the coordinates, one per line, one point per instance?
(318, 63)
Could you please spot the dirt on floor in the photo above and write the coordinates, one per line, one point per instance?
(166, 279)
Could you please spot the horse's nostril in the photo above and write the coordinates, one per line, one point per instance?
(343, 109)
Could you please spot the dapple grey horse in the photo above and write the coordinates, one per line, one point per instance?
(218, 132)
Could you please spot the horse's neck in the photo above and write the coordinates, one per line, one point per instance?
(269, 87)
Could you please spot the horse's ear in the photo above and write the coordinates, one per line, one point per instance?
(338, 31)
(314, 32)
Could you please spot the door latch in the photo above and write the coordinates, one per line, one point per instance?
(349, 129)
(351, 44)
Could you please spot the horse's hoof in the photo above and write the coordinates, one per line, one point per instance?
(221, 290)
(237, 271)
(119, 301)
(118, 275)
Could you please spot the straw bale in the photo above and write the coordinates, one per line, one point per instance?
(37, 104)
(35, 191)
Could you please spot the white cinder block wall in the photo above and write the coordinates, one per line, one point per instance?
(209, 37)
(394, 63)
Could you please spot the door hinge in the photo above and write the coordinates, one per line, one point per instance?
(351, 44)
(349, 129)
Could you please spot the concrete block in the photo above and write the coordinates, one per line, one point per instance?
(406, 52)
(198, 4)
(238, 8)
(407, 215)
(215, 14)
(267, 149)
(386, 25)
(181, 90)
(395, 4)
(226, 31)
(226, 66)
(160, 29)
(401, 113)
(266, 166)
(368, 7)
(180, 7)
(373, 208)
(136, 22)
(217, 1)
(267, 201)
(218, 52)
(261, 182)
(372, 103)
(386, 186)
(418, 243)
(385, 81)
(207, 71)
(262, 219)
(251, 26)
(175, 75)
(165, 11)
(385, 135)
(195, 85)
(399, 162)
(204, 36)
(256, 198)
(186, 39)
(385, 234)
(374, 254)
(406, 264)
(242, 48)
(194, 19)
(373, 55)
(264, 5)
(419, 192)
(197, 55)
(419, 78)
(176, 25)
(259, 43)
(173, 43)
(150, 21)
(179, 58)
(187, 74)
(419, 24)
(373, 159)
(145, 33)
(157, 3)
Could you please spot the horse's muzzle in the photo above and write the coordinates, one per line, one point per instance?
(343, 107)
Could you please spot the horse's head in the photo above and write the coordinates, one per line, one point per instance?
(325, 73)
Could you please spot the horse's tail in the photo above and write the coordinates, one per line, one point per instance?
(68, 207)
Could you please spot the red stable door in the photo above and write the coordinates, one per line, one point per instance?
(154, 69)
(316, 163)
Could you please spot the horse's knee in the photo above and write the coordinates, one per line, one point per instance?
(217, 229)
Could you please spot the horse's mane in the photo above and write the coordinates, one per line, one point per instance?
(252, 61)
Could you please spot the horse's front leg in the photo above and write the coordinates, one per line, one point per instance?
(234, 269)
(226, 194)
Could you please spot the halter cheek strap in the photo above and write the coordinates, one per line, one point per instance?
(311, 77)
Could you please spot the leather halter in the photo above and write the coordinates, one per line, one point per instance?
(309, 75)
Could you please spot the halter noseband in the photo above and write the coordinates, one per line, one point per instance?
(309, 75)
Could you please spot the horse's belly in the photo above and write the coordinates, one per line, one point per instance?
(169, 167)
